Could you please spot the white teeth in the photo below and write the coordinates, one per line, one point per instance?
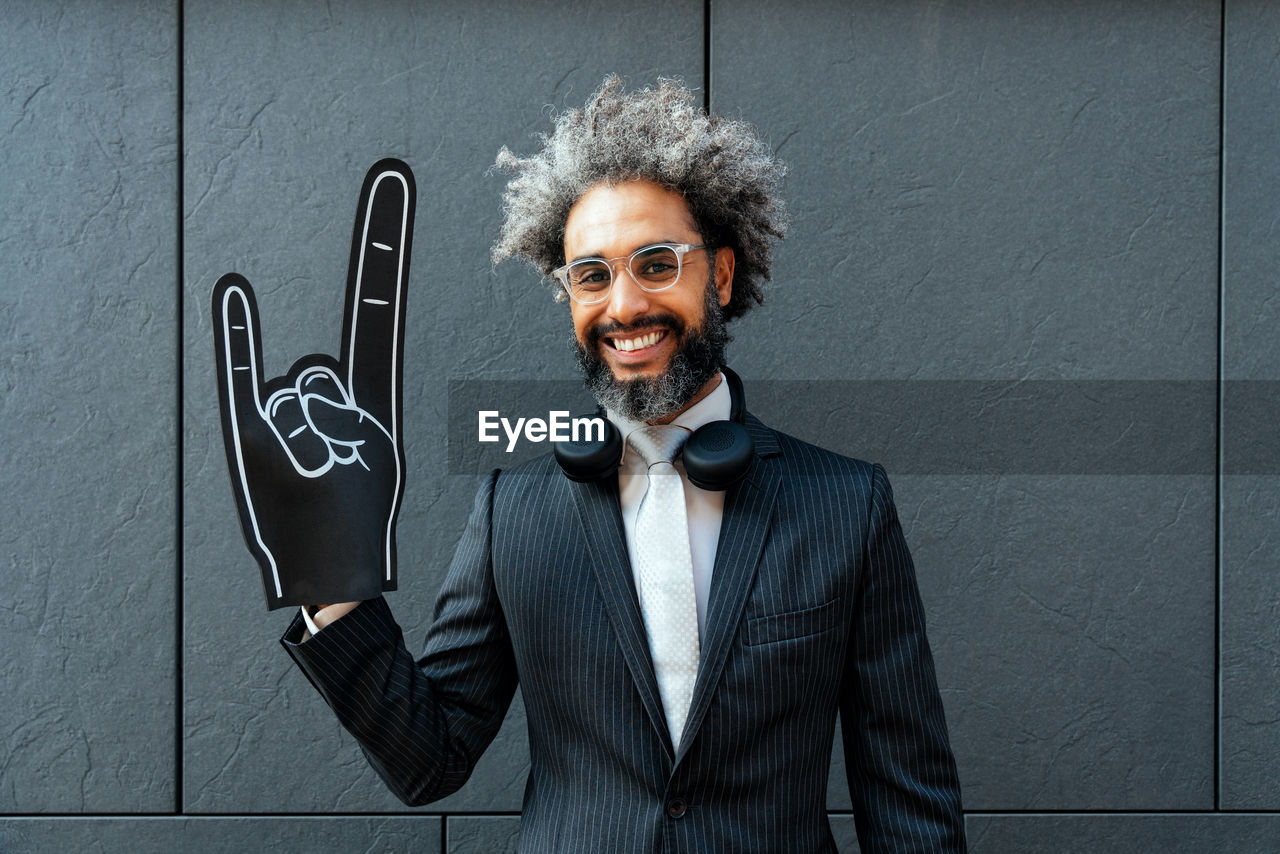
(626, 345)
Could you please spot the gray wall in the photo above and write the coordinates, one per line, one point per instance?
(993, 201)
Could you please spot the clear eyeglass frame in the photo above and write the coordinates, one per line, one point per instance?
(563, 274)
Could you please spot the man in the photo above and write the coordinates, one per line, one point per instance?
(682, 652)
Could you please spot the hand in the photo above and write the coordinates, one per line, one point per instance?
(316, 457)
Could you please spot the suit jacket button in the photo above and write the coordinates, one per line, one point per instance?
(676, 807)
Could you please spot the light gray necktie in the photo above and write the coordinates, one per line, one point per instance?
(665, 568)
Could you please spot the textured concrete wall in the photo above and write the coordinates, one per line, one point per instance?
(1250, 626)
(1074, 194)
(88, 373)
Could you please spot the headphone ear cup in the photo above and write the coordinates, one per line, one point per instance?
(588, 460)
(718, 455)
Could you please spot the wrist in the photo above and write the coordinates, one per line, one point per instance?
(323, 615)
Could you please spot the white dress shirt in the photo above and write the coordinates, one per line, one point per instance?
(705, 508)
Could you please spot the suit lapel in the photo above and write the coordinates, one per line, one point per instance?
(748, 512)
(601, 518)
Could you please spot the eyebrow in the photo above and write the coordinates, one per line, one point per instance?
(601, 256)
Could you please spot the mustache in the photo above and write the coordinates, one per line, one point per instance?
(603, 330)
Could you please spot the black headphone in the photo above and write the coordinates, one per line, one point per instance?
(716, 456)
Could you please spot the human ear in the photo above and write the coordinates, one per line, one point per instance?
(724, 274)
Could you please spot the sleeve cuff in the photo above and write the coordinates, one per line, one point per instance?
(312, 628)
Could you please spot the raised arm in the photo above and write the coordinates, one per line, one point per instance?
(424, 724)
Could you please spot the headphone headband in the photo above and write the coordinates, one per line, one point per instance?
(737, 397)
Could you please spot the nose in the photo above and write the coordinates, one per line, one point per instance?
(627, 300)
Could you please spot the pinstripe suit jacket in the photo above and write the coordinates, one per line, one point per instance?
(813, 609)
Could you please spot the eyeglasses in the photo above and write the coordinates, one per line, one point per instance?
(654, 268)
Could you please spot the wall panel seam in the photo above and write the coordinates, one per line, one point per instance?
(1218, 419)
(179, 427)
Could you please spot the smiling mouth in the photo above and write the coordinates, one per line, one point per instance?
(635, 342)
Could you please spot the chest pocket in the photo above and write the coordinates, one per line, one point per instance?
(792, 625)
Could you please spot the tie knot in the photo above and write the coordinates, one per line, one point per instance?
(658, 443)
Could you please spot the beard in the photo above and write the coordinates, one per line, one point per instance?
(699, 355)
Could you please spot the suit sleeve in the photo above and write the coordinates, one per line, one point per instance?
(906, 794)
(423, 725)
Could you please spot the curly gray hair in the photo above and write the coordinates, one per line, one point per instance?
(727, 175)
